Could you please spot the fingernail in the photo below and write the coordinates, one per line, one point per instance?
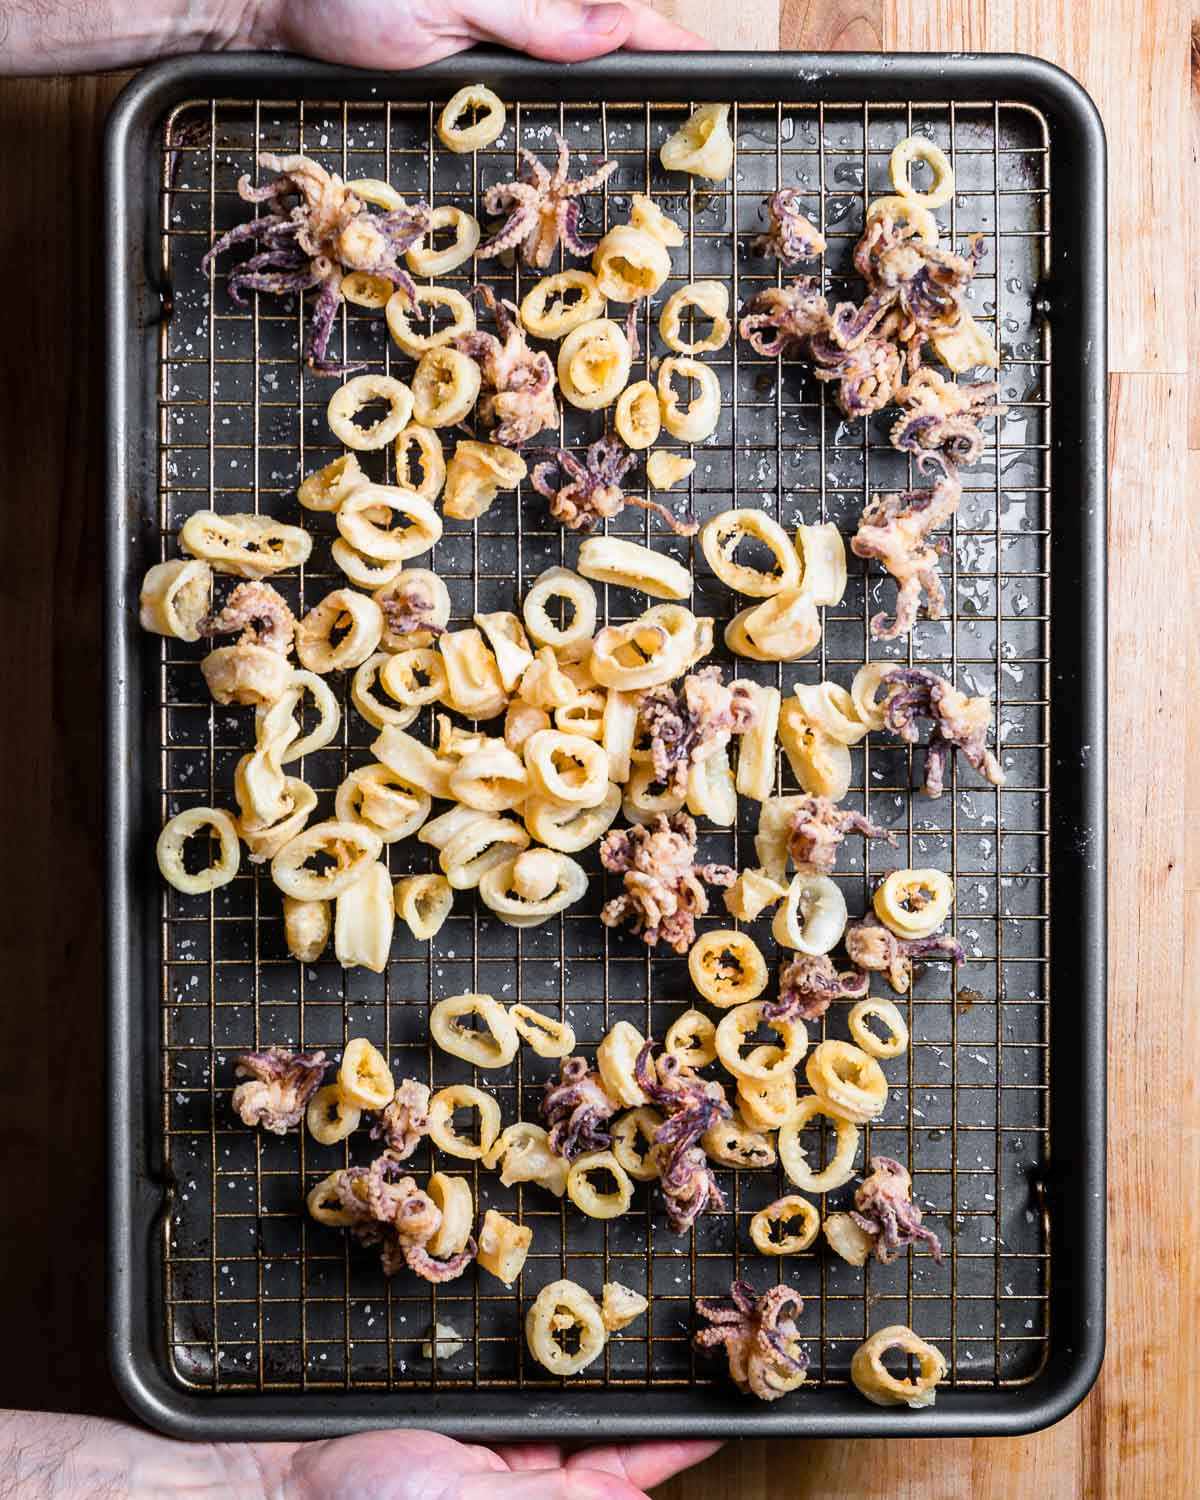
(599, 20)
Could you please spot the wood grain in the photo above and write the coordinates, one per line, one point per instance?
(836, 26)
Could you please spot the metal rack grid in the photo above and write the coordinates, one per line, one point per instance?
(258, 1297)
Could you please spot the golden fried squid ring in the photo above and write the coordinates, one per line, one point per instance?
(766, 1106)
(506, 636)
(441, 1121)
(417, 344)
(847, 1080)
(378, 193)
(374, 797)
(488, 125)
(547, 319)
(173, 838)
(585, 716)
(485, 842)
(638, 418)
(864, 692)
(756, 747)
(246, 674)
(698, 420)
(325, 1206)
(902, 210)
(452, 1199)
(966, 346)
(498, 890)
(915, 148)
(914, 903)
(629, 565)
(587, 1197)
(567, 768)
(692, 1038)
(719, 539)
(493, 779)
(616, 1056)
(663, 468)
(751, 893)
(564, 1307)
(328, 487)
(619, 731)
(363, 572)
(839, 1169)
(727, 967)
(630, 264)
(640, 1124)
(358, 521)
(445, 387)
(493, 1046)
(364, 1078)
(306, 926)
(547, 1037)
(822, 553)
(524, 1150)
(362, 289)
(560, 584)
(733, 1143)
(784, 627)
(503, 1246)
(884, 1011)
(593, 364)
(423, 902)
(571, 829)
(739, 1024)
(708, 297)
(702, 146)
(417, 589)
(352, 849)
(641, 654)
(374, 711)
(476, 475)
(846, 1239)
(830, 708)
(363, 921)
(473, 684)
(345, 404)
(343, 610)
(246, 545)
(424, 259)
(644, 798)
(278, 718)
(813, 916)
(784, 1212)
(329, 1117)
(429, 457)
(872, 1377)
(711, 790)
(415, 678)
(819, 763)
(174, 598)
(544, 684)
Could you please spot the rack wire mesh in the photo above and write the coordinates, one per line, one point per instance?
(255, 1295)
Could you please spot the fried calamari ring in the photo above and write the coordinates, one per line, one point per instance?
(414, 763)
(702, 146)
(813, 916)
(363, 921)
(584, 1194)
(362, 289)
(246, 546)
(896, 1042)
(846, 1239)
(850, 1082)
(356, 614)
(328, 487)
(175, 834)
(719, 539)
(351, 848)
(363, 572)
(544, 684)
(473, 685)
(593, 364)
(644, 797)
(711, 790)
(871, 1376)
(663, 468)
(524, 1150)
(503, 1246)
(424, 903)
(441, 1121)
(400, 310)
(819, 763)
(784, 627)
(733, 1143)
(727, 967)
(914, 903)
(445, 387)
(493, 1045)
(375, 712)
(741, 1022)
(493, 779)
(476, 475)
(358, 520)
(692, 1038)
(547, 319)
(571, 829)
(306, 926)
(415, 678)
(564, 1307)
(416, 608)
(642, 1124)
(364, 1078)
(452, 1199)
(902, 210)
(751, 893)
(487, 127)
(374, 797)
(914, 148)
(830, 708)
(864, 693)
(783, 1212)
(567, 768)
(756, 747)
(709, 297)
(794, 1159)
(766, 1106)
(574, 592)
(430, 458)
(485, 842)
(628, 565)
(547, 1037)
(630, 264)
(698, 420)
(325, 1205)
(641, 654)
(354, 397)
(616, 1062)
(425, 260)
(585, 716)
(822, 552)
(174, 598)
(498, 893)
(638, 418)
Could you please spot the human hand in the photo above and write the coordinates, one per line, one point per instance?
(51, 1457)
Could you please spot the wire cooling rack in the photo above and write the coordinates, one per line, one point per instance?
(255, 1296)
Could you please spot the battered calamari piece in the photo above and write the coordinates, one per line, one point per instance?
(818, 827)
(261, 615)
(664, 886)
(760, 1338)
(404, 1122)
(894, 528)
(584, 493)
(791, 236)
(280, 1084)
(959, 723)
(576, 1109)
(517, 400)
(883, 1208)
(691, 1104)
(694, 723)
(317, 229)
(943, 418)
(808, 986)
(924, 284)
(872, 946)
(389, 1210)
(542, 208)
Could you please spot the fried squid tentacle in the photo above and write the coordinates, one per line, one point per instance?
(541, 208)
(808, 986)
(576, 1109)
(883, 1208)
(960, 723)
(663, 885)
(759, 1336)
(691, 1105)
(280, 1084)
(894, 529)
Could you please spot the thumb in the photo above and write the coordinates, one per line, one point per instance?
(560, 30)
(549, 1484)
